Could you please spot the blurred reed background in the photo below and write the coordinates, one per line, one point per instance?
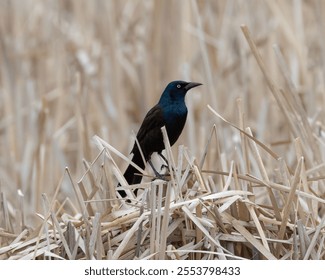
(72, 69)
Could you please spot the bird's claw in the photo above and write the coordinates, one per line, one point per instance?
(164, 166)
(160, 176)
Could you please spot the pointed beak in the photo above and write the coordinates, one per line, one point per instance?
(192, 85)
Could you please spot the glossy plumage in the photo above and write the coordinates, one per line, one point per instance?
(171, 112)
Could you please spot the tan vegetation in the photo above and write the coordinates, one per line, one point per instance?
(247, 175)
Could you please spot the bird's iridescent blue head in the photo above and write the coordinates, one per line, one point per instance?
(176, 91)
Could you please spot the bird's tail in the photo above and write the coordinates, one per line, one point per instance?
(130, 173)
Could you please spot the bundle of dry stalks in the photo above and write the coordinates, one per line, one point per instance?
(248, 183)
(196, 214)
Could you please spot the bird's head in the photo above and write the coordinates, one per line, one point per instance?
(176, 91)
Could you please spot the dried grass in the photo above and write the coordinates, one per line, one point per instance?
(249, 184)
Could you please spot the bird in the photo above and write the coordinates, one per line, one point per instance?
(171, 112)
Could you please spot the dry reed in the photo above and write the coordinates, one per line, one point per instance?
(246, 178)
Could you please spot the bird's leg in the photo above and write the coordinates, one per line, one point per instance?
(157, 174)
(165, 160)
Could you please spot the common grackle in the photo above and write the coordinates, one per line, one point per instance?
(171, 112)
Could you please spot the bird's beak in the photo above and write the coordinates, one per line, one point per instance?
(192, 85)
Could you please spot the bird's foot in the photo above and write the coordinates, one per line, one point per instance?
(164, 166)
(164, 158)
(160, 177)
(157, 174)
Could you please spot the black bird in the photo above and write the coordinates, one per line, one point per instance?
(171, 112)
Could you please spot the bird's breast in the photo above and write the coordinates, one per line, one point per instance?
(175, 119)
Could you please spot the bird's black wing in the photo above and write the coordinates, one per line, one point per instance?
(149, 135)
(150, 139)
(153, 120)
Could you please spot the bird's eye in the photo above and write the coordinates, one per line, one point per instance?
(178, 86)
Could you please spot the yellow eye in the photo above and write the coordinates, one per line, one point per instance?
(178, 86)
